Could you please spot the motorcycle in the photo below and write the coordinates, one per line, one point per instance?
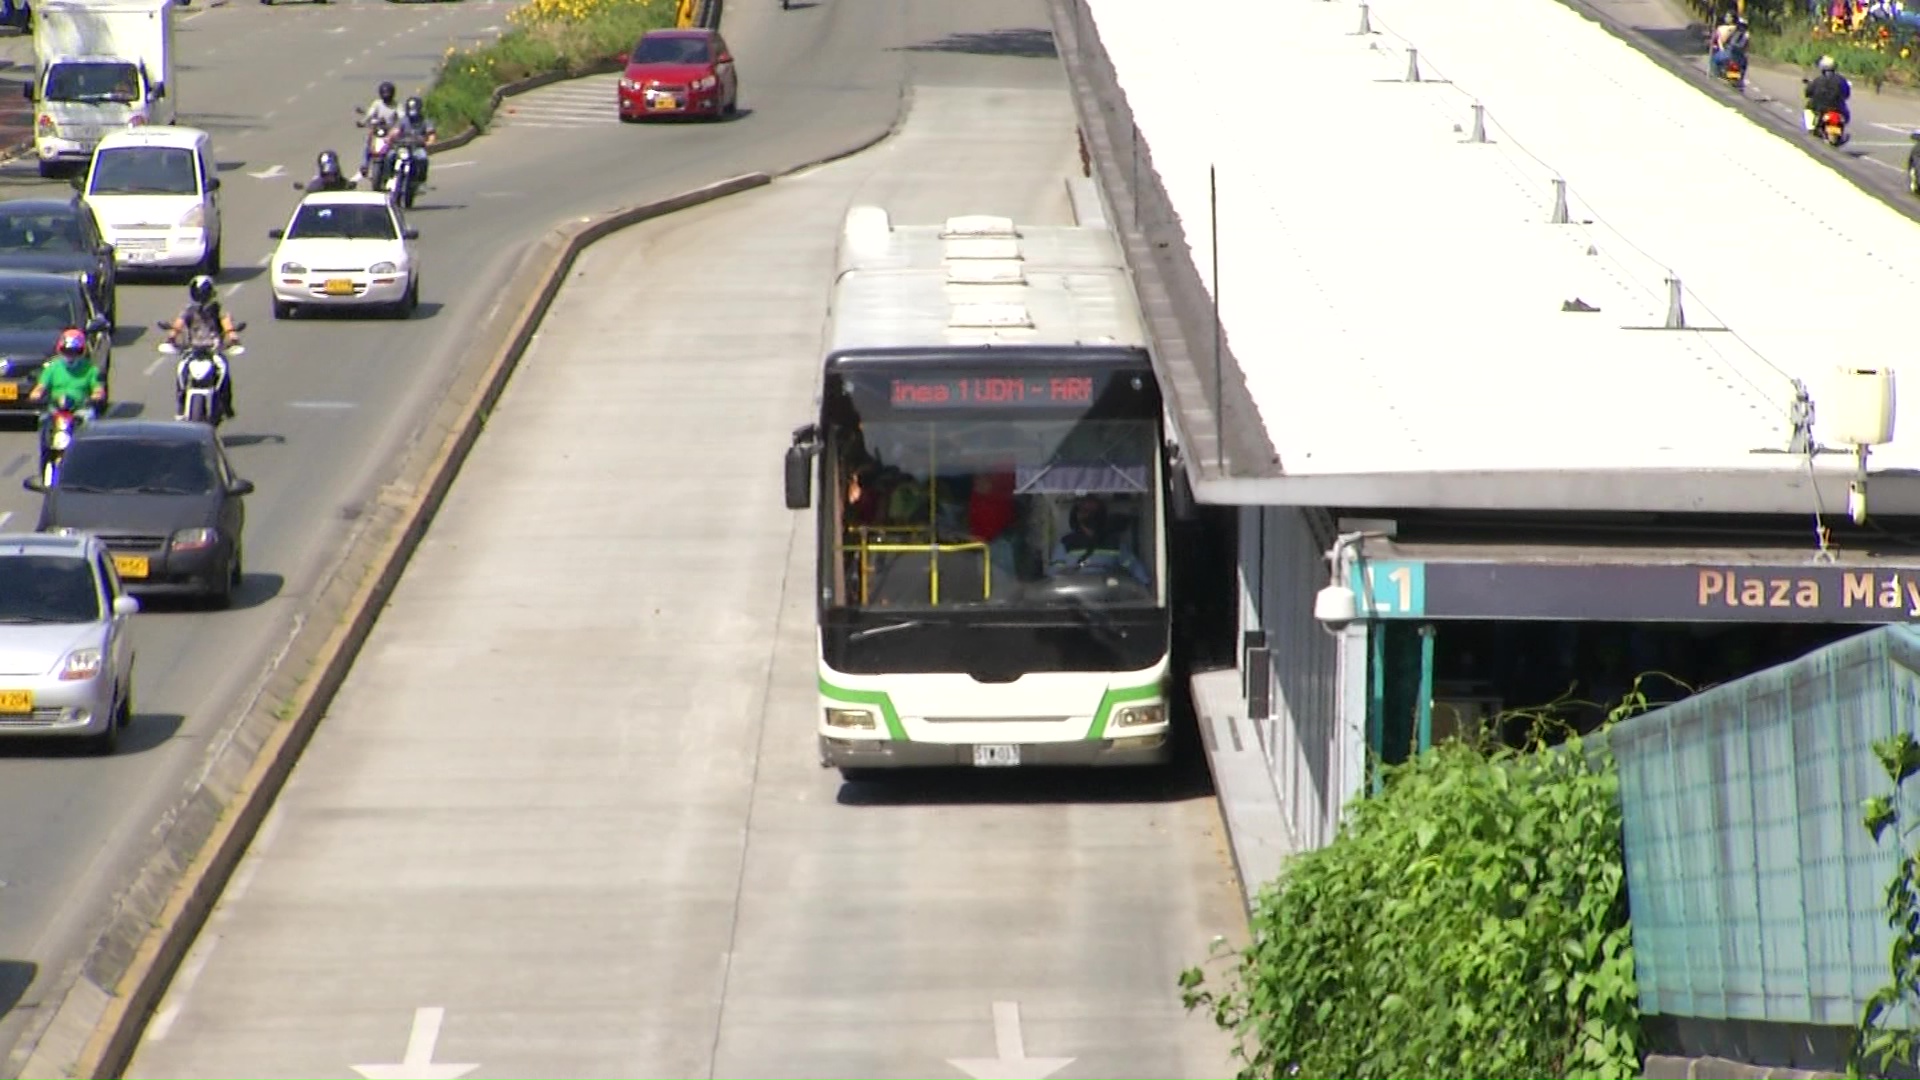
(401, 185)
(1734, 72)
(55, 436)
(1830, 125)
(1833, 127)
(200, 378)
(379, 144)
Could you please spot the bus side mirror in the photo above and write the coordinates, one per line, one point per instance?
(799, 477)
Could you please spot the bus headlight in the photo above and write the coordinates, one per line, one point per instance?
(857, 719)
(1139, 716)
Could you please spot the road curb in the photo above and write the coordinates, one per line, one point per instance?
(98, 1023)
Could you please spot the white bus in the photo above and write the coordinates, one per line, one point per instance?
(992, 521)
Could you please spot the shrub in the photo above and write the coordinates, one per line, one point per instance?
(1469, 920)
(566, 36)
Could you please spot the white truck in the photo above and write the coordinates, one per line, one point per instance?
(102, 65)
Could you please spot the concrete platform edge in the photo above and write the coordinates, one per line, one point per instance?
(1257, 829)
(212, 830)
(1713, 1068)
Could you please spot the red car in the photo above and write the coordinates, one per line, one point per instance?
(679, 73)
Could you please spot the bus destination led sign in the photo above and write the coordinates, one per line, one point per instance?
(994, 390)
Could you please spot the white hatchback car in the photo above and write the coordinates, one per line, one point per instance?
(345, 249)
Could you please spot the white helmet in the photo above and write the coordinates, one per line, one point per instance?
(1827, 64)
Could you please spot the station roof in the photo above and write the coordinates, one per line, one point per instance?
(1414, 326)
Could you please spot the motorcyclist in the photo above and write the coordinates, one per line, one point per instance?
(69, 378)
(1718, 53)
(327, 175)
(204, 321)
(1827, 91)
(381, 114)
(414, 134)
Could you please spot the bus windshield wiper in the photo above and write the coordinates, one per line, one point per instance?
(884, 628)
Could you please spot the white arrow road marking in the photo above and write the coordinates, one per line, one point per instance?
(1010, 1061)
(418, 1063)
(269, 174)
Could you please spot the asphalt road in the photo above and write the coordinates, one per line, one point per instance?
(324, 403)
(566, 816)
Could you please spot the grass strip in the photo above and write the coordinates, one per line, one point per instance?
(568, 37)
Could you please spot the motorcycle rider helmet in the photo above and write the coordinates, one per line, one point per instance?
(200, 289)
(329, 164)
(73, 343)
(386, 93)
(416, 110)
(1827, 64)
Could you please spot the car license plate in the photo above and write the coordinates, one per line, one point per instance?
(16, 701)
(133, 566)
(665, 103)
(9, 392)
(339, 286)
(995, 757)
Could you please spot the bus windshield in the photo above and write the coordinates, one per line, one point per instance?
(943, 505)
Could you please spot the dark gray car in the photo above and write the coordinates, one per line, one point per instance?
(162, 496)
(59, 236)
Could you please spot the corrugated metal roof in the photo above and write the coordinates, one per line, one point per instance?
(979, 280)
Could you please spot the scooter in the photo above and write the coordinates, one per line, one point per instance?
(1833, 128)
(200, 378)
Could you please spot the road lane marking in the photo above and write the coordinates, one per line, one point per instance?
(8, 515)
(322, 405)
(181, 990)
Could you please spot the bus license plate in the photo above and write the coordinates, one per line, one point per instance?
(995, 757)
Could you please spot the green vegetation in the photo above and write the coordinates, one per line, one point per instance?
(1900, 760)
(1469, 920)
(572, 37)
(1875, 53)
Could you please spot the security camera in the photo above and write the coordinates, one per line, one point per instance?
(1335, 607)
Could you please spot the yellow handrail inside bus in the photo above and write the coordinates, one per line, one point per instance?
(870, 542)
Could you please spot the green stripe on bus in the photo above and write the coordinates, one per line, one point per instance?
(873, 699)
(1117, 696)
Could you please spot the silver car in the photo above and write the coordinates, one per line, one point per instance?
(66, 646)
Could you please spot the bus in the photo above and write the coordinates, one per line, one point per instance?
(991, 456)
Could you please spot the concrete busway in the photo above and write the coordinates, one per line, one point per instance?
(325, 404)
(565, 817)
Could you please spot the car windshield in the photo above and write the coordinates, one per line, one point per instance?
(144, 170)
(136, 465)
(38, 230)
(670, 50)
(51, 306)
(47, 589)
(343, 221)
(93, 81)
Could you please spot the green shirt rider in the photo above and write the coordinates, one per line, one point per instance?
(69, 377)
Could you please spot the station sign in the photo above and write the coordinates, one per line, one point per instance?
(1620, 592)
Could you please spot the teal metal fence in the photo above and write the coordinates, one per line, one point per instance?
(1755, 891)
